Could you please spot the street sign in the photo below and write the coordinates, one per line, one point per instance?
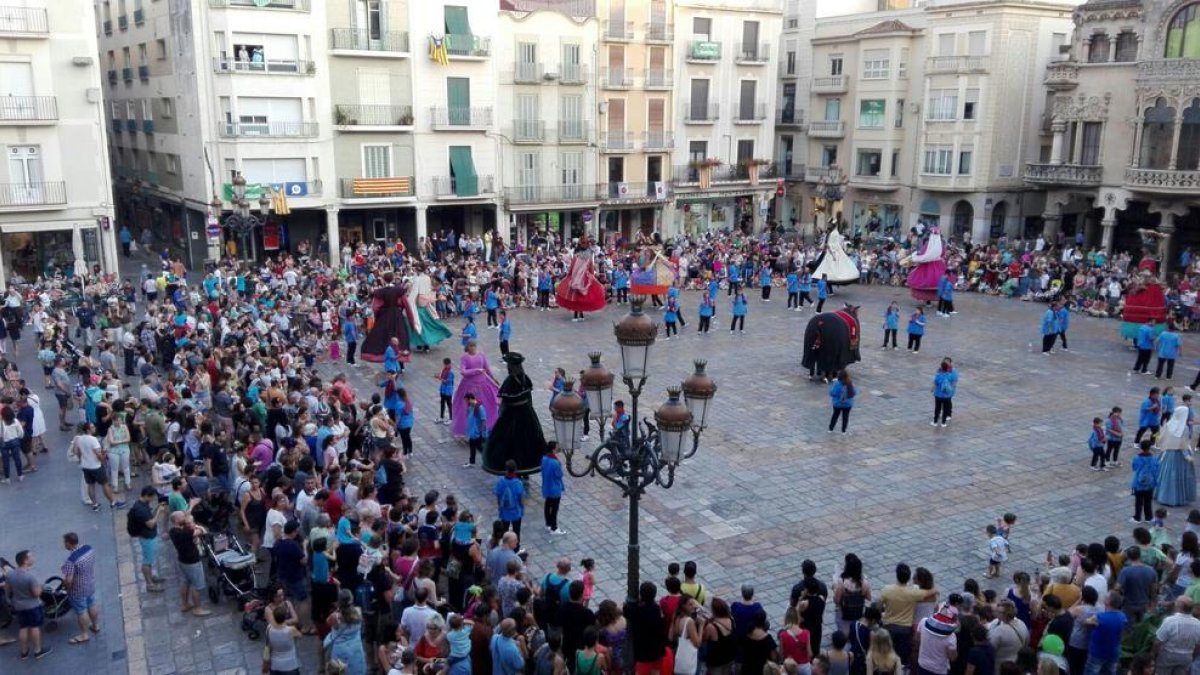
(779, 187)
(587, 216)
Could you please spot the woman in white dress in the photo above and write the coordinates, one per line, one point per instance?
(835, 263)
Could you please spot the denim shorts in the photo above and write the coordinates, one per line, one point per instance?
(297, 591)
(81, 605)
(149, 550)
(193, 574)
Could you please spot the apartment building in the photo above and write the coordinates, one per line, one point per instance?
(795, 80)
(927, 114)
(55, 211)
(205, 97)
(1121, 140)
(725, 56)
(545, 55)
(636, 127)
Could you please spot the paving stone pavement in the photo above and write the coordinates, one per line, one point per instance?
(769, 486)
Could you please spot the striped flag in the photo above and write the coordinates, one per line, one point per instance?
(437, 50)
(279, 203)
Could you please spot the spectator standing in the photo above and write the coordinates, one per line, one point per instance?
(79, 578)
(26, 592)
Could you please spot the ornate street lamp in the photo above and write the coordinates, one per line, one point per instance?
(242, 222)
(649, 453)
(832, 187)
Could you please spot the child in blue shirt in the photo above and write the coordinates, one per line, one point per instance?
(916, 330)
(739, 313)
(505, 331)
(1114, 430)
(793, 291)
(469, 332)
(822, 292)
(764, 280)
(1168, 350)
(804, 285)
(445, 393)
(891, 324)
(707, 310)
(1149, 416)
(1096, 443)
(671, 317)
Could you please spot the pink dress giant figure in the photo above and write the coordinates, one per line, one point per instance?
(475, 376)
(923, 279)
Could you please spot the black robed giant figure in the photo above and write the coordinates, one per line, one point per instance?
(517, 434)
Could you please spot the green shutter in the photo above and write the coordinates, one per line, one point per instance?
(458, 100)
(456, 20)
(462, 168)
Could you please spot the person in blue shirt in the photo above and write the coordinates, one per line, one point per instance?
(1114, 431)
(916, 330)
(945, 294)
(510, 496)
(706, 313)
(739, 313)
(505, 332)
(1144, 341)
(445, 393)
(673, 294)
(793, 291)
(1167, 405)
(822, 292)
(126, 238)
(405, 417)
(713, 287)
(891, 324)
(469, 332)
(491, 303)
(1145, 466)
(945, 384)
(671, 317)
(620, 282)
(620, 421)
(804, 286)
(841, 395)
(545, 283)
(1062, 320)
(764, 280)
(1168, 344)
(735, 278)
(552, 487)
(1049, 329)
(1096, 443)
(391, 357)
(477, 428)
(1149, 415)
(350, 333)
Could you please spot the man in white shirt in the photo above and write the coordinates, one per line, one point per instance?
(276, 519)
(1094, 578)
(1177, 641)
(415, 618)
(91, 461)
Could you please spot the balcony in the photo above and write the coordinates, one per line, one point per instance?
(751, 113)
(382, 44)
(108, 27)
(1079, 175)
(789, 170)
(550, 194)
(572, 73)
(753, 54)
(657, 141)
(616, 78)
(618, 31)
(616, 141)
(475, 47)
(127, 75)
(296, 5)
(144, 73)
(123, 23)
(525, 72)
(961, 65)
(17, 196)
(27, 22)
(147, 126)
(659, 79)
(689, 174)
(1168, 71)
(271, 67)
(573, 131)
(355, 117)
(789, 118)
(1163, 181)
(785, 74)
(139, 17)
(834, 84)
(814, 174)
(701, 113)
(395, 187)
(529, 131)
(25, 110)
(703, 51)
(826, 129)
(653, 191)
(1062, 76)
(112, 77)
(659, 32)
(461, 119)
(131, 126)
(291, 129)
(447, 187)
(877, 183)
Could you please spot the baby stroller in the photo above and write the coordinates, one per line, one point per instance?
(254, 615)
(233, 567)
(54, 602)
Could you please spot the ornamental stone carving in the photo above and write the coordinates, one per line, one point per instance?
(1082, 108)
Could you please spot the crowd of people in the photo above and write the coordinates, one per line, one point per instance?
(226, 392)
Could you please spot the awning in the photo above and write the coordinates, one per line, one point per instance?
(456, 21)
(462, 169)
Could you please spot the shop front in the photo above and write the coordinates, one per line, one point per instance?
(45, 253)
(700, 213)
(872, 218)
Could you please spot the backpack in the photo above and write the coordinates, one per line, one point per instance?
(1145, 477)
(133, 526)
(508, 500)
(550, 609)
(852, 605)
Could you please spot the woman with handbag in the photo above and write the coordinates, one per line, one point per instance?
(11, 433)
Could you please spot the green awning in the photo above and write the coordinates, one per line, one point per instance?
(456, 20)
(462, 170)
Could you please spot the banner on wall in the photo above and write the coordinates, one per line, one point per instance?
(271, 236)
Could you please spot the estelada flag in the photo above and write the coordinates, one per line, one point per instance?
(437, 50)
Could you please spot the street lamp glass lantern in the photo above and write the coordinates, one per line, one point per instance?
(698, 391)
(264, 205)
(597, 384)
(568, 412)
(635, 334)
(674, 421)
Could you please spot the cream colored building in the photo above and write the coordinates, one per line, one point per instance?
(55, 206)
(1121, 142)
(926, 115)
(795, 72)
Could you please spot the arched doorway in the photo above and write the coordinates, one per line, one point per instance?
(964, 213)
(999, 217)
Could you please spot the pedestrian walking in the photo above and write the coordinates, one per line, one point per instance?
(1144, 342)
(822, 292)
(1145, 468)
(1168, 347)
(552, 487)
(793, 290)
(445, 393)
(740, 308)
(141, 523)
(945, 384)
(406, 416)
(79, 580)
(891, 324)
(841, 395)
(87, 451)
(11, 434)
(916, 330)
(1149, 416)
(1096, 443)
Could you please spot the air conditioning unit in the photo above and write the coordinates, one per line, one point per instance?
(550, 77)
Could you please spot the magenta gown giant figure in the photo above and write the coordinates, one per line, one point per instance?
(930, 266)
(390, 304)
(475, 376)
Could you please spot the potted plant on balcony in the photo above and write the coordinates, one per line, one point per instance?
(405, 120)
(751, 167)
(342, 118)
(704, 168)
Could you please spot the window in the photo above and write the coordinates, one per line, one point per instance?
(835, 64)
(899, 113)
(458, 100)
(746, 102)
(172, 164)
(160, 48)
(938, 160)
(946, 43)
(526, 125)
(793, 23)
(872, 113)
(1183, 34)
(876, 64)
(976, 43)
(1127, 47)
(697, 150)
(570, 168)
(456, 19)
(971, 104)
(377, 161)
(790, 64)
(570, 113)
(25, 169)
(527, 169)
(143, 55)
(745, 150)
(1098, 48)
(902, 67)
(943, 104)
(699, 100)
(829, 155)
(373, 17)
(125, 60)
(895, 163)
(702, 28)
(167, 108)
(1090, 152)
(964, 162)
(869, 163)
(289, 170)
(148, 109)
(833, 109)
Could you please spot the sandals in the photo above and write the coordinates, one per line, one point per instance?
(78, 640)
